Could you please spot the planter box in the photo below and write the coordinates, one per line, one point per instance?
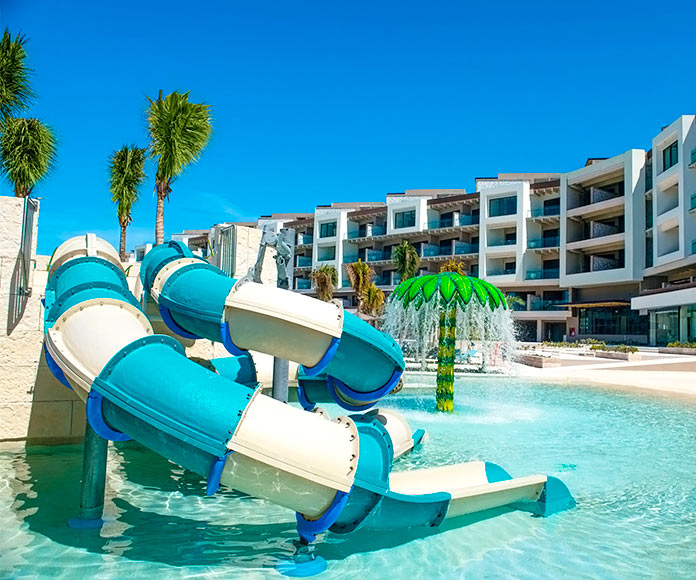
(676, 350)
(627, 356)
(540, 362)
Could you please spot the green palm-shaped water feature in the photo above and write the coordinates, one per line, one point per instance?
(444, 297)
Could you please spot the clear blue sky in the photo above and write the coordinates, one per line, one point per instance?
(323, 101)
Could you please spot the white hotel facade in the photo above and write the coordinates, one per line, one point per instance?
(605, 251)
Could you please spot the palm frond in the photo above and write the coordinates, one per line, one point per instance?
(15, 90)
(27, 153)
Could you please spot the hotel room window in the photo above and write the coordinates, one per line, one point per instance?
(405, 219)
(327, 230)
(670, 156)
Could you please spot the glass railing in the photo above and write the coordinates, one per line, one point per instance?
(496, 243)
(545, 211)
(465, 248)
(693, 156)
(376, 231)
(503, 272)
(693, 201)
(553, 242)
(462, 220)
(545, 274)
(350, 259)
(302, 284)
(303, 239)
(376, 255)
(382, 281)
(303, 261)
(693, 246)
(539, 304)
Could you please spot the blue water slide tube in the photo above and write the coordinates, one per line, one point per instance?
(357, 369)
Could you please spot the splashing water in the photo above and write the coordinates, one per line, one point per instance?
(492, 332)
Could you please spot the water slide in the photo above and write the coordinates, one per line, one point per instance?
(335, 474)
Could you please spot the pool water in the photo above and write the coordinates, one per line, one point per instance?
(629, 458)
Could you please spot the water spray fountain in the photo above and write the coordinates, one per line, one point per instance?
(446, 308)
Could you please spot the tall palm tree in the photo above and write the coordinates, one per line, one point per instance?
(360, 277)
(15, 91)
(406, 259)
(179, 131)
(127, 172)
(27, 153)
(325, 279)
(373, 300)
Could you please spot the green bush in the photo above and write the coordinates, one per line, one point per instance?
(618, 348)
(679, 344)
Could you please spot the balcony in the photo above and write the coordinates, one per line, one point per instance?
(303, 262)
(692, 207)
(502, 272)
(692, 162)
(461, 220)
(431, 251)
(377, 256)
(304, 239)
(461, 248)
(540, 212)
(538, 304)
(550, 242)
(383, 281)
(499, 243)
(350, 259)
(545, 274)
(302, 284)
(369, 232)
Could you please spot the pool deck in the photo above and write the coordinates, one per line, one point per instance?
(668, 373)
(665, 373)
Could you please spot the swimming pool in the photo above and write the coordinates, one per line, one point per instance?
(628, 457)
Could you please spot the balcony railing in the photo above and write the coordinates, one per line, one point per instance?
(693, 246)
(461, 248)
(693, 201)
(496, 243)
(303, 239)
(382, 281)
(540, 304)
(551, 242)
(377, 255)
(545, 274)
(502, 272)
(461, 220)
(303, 261)
(350, 259)
(545, 211)
(369, 232)
(302, 284)
(693, 157)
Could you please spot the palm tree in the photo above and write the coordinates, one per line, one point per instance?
(27, 153)
(360, 277)
(127, 172)
(325, 279)
(373, 300)
(15, 91)
(452, 265)
(406, 259)
(179, 131)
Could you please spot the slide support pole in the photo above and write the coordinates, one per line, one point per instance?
(93, 481)
(280, 379)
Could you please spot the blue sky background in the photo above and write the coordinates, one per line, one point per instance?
(319, 101)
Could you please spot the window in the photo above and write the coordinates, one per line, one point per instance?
(648, 214)
(502, 206)
(552, 206)
(510, 238)
(608, 320)
(325, 254)
(405, 219)
(327, 230)
(648, 252)
(669, 156)
(510, 268)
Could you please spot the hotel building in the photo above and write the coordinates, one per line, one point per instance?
(607, 250)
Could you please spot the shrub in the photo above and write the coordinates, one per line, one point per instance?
(618, 348)
(679, 344)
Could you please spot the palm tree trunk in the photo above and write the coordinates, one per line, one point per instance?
(160, 189)
(122, 245)
(444, 395)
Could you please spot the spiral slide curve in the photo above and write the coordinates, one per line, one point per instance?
(335, 474)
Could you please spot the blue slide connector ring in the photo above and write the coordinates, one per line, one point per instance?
(216, 473)
(308, 529)
(96, 420)
(387, 388)
(307, 405)
(226, 340)
(173, 326)
(325, 360)
(56, 371)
